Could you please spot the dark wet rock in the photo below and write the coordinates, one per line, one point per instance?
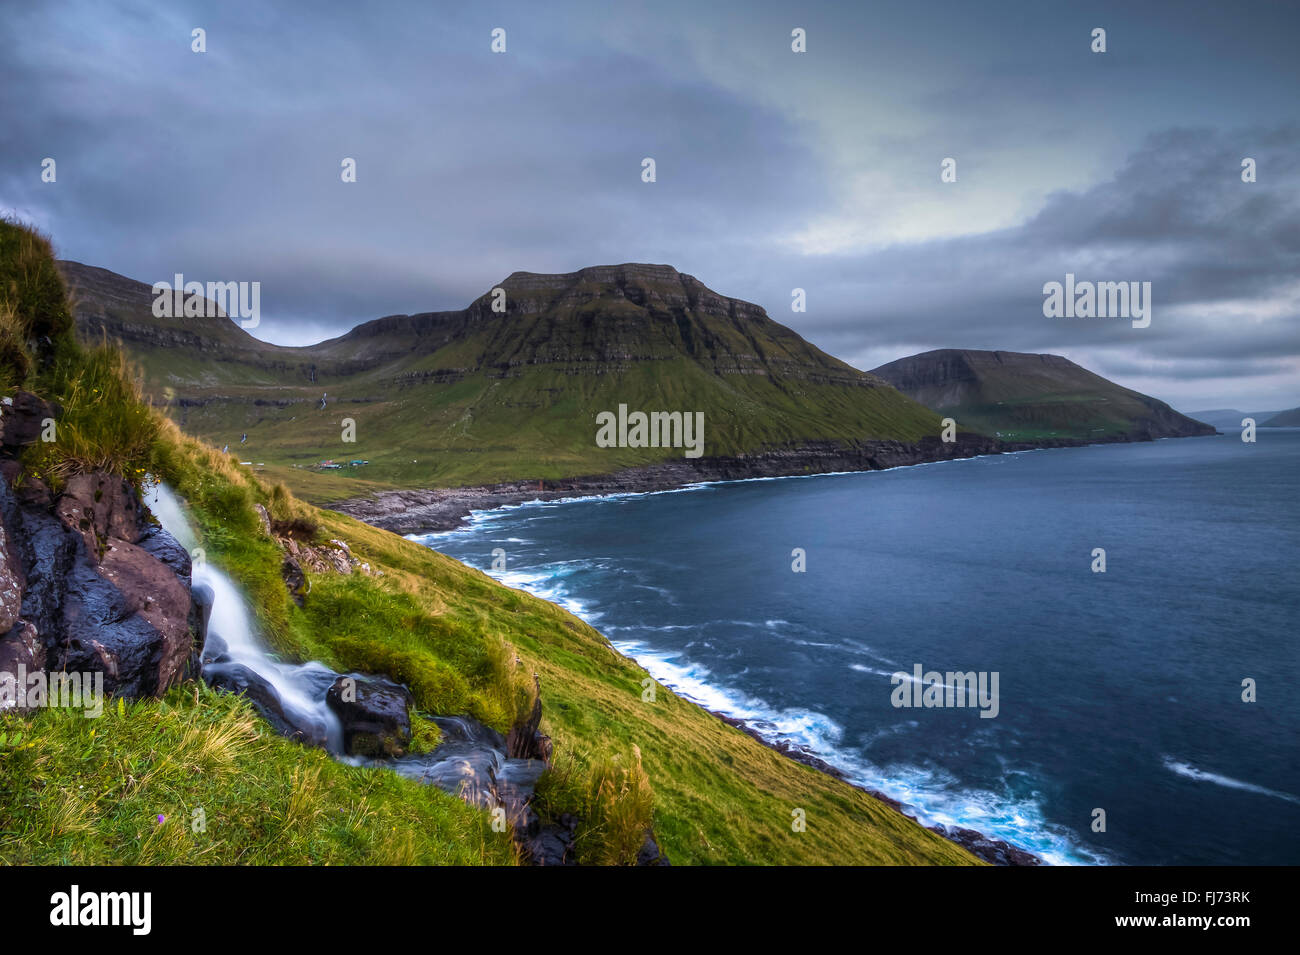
(22, 419)
(553, 845)
(471, 762)
(153, 591)
(526, 740)
(316, 678)
(374, 712)
(88, 595)
(101, 507)
(21, 650)
(167, 549)
(295, 580)
(650, 853)
(48, 552)
(204, 598)
(237, 678)
(465, 763)
(12, 582)
(994, 851)
(34, 493)
(85, 621)
(215, 650)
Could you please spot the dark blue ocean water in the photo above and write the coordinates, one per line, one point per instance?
(1120, 691)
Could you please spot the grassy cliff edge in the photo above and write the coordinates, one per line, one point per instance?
(127, 787)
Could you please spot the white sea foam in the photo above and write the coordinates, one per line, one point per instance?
(934, 797)
(1188, 771)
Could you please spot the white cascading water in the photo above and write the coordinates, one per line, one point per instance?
(471, 762)
(301, 687)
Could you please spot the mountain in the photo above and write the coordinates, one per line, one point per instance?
(1283, 419)
(475, 395)
(1229, 419)
(93, 582)
(1024, 397)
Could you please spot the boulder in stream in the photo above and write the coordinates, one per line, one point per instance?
(374, 712)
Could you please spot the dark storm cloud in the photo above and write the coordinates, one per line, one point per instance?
(227, 163)
(1222, 256)
(775, 170)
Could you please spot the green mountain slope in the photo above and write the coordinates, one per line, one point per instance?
(124, 788)
(477, 396)
(1024, 397)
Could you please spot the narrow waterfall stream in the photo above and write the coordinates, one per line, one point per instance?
(232, 639)
(471, 762)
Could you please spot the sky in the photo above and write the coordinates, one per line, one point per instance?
(775, 169)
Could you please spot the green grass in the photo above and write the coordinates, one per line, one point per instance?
(482, 398)
(74, 790)
(34, 312)
(540, 425)
(719, 796)
(79, 791)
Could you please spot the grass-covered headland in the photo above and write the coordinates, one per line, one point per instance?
(197, 777)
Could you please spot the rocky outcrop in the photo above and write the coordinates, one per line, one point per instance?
(120, 611)
(472, 761)
(299, 558)
(23, 417)
(87, 583)
(526, 740)
(374, 713)
(993, 851)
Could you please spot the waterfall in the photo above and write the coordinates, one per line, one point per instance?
(300, 687)
(471, 762)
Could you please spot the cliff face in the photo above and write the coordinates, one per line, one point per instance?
(112, 305)
(88, 584)
(601, 320)
(1020, 396)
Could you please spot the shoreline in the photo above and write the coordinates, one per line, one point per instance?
(438, 510)
(993, 851)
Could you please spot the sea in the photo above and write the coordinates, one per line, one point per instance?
(1135, 606)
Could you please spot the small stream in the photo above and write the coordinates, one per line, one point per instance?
(470, 762)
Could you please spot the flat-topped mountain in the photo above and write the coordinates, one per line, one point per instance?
(487, 394)
(1025, 397)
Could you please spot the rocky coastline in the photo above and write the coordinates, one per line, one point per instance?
(433, 510)
(992, 851)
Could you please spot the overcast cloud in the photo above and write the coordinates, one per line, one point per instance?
(775, 170)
